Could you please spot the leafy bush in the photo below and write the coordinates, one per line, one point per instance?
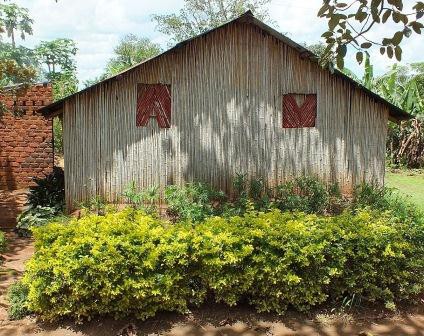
(49, 191)
(279, 259)
(386, 199)
(2, 242)
(193, 201)
(34, 217)
(121, 263)
(306, 194)
(249, 195)
(144, 200)
(95, 204)
(196, 201)
(17, 296)
(131, 263)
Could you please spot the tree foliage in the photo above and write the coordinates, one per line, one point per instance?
(130, 51)
(350, 24)
(403, 86)
(58, 60)
(15, 19)
(15, 64)
(57, 55)
(198, 16)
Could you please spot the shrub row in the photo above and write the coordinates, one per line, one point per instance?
(130, 263)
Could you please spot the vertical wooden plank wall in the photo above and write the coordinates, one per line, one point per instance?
(227, 90)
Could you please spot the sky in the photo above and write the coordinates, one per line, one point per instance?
(97, 25)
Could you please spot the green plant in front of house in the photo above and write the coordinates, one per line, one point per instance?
(17, 296)
(129, 263)
(306, 194)
(386, 199)
(118, 264)
(35, 217)
(276, 259)
(95, 204)
(46, 200)
(249, 194)
(193, 201)
(145, 200)
(49, 191)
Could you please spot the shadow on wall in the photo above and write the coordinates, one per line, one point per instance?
(9, 207)
(226, 119)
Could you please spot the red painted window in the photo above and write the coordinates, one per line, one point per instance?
(154, 102)
(299, 110)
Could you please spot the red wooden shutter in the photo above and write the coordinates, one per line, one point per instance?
(154, 101)
(295, 116)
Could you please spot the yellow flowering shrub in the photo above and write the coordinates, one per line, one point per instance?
(128, 263)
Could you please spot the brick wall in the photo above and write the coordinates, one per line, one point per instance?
(25, 138)
(25, 149)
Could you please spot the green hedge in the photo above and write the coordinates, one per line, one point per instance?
(129, 263)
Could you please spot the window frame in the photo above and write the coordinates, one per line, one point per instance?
(154, 101)
(303, 116)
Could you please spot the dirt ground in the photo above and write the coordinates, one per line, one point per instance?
(208, 320)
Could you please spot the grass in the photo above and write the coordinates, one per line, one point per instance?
(408, 182)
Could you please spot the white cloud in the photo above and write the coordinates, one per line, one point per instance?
(97, 25)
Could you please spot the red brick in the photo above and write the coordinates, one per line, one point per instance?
(25, 142)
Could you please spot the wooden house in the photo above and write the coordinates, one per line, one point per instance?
(241, 98)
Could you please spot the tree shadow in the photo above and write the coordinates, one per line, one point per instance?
(8, 203)
(219, 320)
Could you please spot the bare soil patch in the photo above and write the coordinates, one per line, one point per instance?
(208, 320)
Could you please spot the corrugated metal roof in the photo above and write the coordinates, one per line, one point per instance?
(396, 113)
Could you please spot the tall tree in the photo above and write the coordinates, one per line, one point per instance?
(198, 16)
(14, 64)
(57, 55)
(130, 51)
(350, 24)
(15, 19)
(58, 60)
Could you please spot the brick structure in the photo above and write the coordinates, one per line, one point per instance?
(26, 147)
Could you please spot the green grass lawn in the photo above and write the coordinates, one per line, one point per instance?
(408, 182)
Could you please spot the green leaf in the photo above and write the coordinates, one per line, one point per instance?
(341, 5)
(382, 50)
(397, 38)
(366, 45)
(386, 41)
(386, 15)
(397, 3)
(417, 26)
(342, 50)
(390, 51)
(398, 53)
(327, 34)
(359, 57)
(361, 16)
(396, 16)
(323, 10)
(334, 21)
